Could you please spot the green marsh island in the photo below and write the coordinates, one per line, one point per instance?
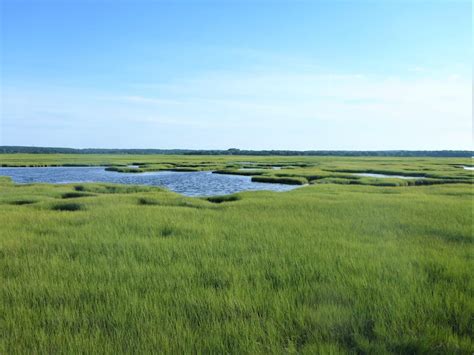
(366, 255)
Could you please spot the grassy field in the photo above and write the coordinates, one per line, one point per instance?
(331, 267)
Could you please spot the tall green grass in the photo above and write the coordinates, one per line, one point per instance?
(326, 268)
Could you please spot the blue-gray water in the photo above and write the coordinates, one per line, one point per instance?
(187, 183)
(387, 176)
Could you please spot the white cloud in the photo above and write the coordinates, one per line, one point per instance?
(300, 97)
(293, 110)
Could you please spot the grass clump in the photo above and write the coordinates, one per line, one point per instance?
(184, 169)
(280, 180)
(68, 207)
(5, 180)
(22, 202)
(115, 188)
(225, 198)
(75, 194)
(124, 169)
(166, 231)
(329, 180)
(145, 201)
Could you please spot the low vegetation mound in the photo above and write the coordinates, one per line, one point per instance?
(114, 188)
(75, 195)
(148, 201)
(280, 180)
(22, 202)
(225, 198)
(68, 207)
(125, 169)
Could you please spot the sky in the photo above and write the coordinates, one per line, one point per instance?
(248, 74)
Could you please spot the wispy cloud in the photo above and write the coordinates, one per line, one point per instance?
(300, 97)
(320, 109)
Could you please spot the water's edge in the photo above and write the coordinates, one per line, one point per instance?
(201, 183)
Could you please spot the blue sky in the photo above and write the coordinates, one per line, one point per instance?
(258, 74)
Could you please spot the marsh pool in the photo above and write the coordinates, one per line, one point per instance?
(385, 176)
(202, 183)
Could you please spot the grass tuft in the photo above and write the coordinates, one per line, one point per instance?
(145, 201)
(75, 195)
(22, 202)
(166, 231)
(68, 207)
(281, 180)
(225, 198)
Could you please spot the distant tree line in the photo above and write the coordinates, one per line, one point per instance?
(234, 151)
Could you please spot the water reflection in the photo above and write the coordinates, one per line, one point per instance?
(202, 183)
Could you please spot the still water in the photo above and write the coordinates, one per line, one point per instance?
(202, 183)
(388, 176)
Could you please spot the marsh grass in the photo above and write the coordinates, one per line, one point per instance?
(114, 188)
(290, 180)
(75, 194)
(123, 169)
(22, 202)
(336, 170)
(68, 207)
(225, 198)
(326, 268)
(148, 201)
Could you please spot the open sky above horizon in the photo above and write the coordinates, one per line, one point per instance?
(262, 74)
